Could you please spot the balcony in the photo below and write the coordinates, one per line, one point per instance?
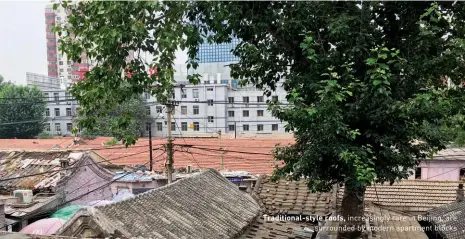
(51, 21)
(81, 65)
(51, 43)
(50, 35)
(49, 12)
(51, 58)
(54, 51)
(52, 73)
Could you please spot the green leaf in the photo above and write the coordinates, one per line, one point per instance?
(371, 61)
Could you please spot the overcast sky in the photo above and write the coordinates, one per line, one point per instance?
(22, 39)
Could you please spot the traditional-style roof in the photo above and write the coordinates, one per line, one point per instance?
(205, 153)
(132, 177)
(412, 196)
(448, 220)
(205, 205)
(292, 198)
(15, 164)
(277, 229)
(383, 224)
(450, 154)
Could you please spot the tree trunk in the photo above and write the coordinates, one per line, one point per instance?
(352, 212)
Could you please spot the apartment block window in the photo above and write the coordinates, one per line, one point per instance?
(69, 69)
(173, 126)
(62, 70)
(146, 95)
(69, 77)
(183, 94)
(196, 110)
(209, 89)
(184, 110)
(245, 99)
(47, 112)
(69, 126)
(259, 98)
(259, 127)
(245, 127)
(274, 127)
(67, 96)
(159, 109)
(60, 63)
(195, 93)
(231, 100)
(259, 113)
(245, 113)
(147, 110)
(159, 126)
(56, 96)
(196, 126)
(57, 111)
(231, 113)
(231, 127)
(68, 111)
(184, 126)
(210, 119)
(173, 95)
(210, 102)
(274, 98)
(47, 97)
(47, 127)
(70, 62)
(57, 127)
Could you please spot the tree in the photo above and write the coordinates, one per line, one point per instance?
(364, 80)
(22, 111)
(107, 126)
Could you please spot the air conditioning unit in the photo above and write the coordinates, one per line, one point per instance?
(69, 102)
(196, 100)
(24, 196)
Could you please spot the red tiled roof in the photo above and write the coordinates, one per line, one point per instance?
(256, 158)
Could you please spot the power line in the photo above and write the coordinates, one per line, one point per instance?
(176, 124)
(223, 150)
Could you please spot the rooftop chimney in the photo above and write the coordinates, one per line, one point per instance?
(460, 193)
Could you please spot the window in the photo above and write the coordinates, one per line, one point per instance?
(245, 99)
(184, 126)
(259, 127)
(46, 97)
(230, 113)
(47, 112)
(274, 98)
(274, 127)
(196, 126)
(62, 70)
(209, 89)
(69, 126)
(231, 100)
(196, 109)
(67, 96)
(259, 113)
(259, 98)
(69, 77)
(245, 127)
(56, 96)
(173, 95)
(418, 173)
(210, 119)
(60, 63)
(57, 112)
(210, 102)
(462, 174)
(195, 93)
(184, 110)
(70, 63)
(146, 95)
(173, 126)
(69, 69)
(245, 113)
(183, 94)
(47, 127)
(159, 109)
(68, 111)
(57, 127)
(231, 127)
(159, 126)
(147, 110)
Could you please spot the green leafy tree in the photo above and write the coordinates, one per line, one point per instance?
(22, 111)
(364, 80)
(135, 112)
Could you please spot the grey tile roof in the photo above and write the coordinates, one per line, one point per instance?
(450, 154)
(205, 205)
(292, 197)
(412, 196)
(449, 220)
(277, 229)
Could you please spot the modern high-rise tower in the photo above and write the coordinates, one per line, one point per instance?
(209, 53)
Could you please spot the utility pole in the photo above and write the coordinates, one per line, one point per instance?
(169, 145)
(150, 145)
(221, 152)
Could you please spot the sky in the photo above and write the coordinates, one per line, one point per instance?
(22, 40)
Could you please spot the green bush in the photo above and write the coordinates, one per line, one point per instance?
(44, 135)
